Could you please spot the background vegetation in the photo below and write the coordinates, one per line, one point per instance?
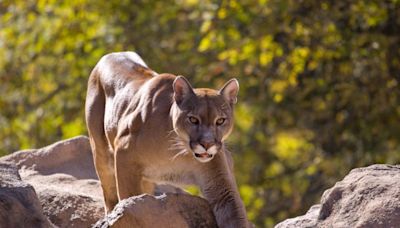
(319, 80)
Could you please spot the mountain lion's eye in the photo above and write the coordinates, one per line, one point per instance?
(220, 121)
(193, 120)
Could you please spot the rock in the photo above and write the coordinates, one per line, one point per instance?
(65, 180)
(168, 211)
(367, 197)
(69, 194)
(19, 204)
(66, 183)
(72, 156)
(305, 221)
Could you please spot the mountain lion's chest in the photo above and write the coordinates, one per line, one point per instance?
(171, 173)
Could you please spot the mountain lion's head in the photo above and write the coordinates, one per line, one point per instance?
(203, 118)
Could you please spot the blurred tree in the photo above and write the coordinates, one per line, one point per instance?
(319, 80)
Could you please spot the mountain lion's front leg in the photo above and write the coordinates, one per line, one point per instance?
(128, 174)
(219, 188)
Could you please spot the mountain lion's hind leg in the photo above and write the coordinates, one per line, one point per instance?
(104, 167)
(103, 160)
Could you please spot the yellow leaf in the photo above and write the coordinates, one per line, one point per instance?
(265, 58)
(222, 13)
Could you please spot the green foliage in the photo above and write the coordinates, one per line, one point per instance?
(319, 80)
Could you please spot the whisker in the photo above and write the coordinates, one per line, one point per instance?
(176, 147)
(182, 152)
(170, 132)
(176, 143)
(175, 140)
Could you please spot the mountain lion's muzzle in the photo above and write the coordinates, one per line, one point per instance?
(204, 151)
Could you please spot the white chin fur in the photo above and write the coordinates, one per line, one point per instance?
(199, 149)
(204, 160)
(212, 150)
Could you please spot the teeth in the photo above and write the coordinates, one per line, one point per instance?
(203, 155)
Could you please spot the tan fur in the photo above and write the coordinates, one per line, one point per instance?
(140, 133)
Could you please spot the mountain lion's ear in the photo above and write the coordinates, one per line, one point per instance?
(230, 90)
(182, 89)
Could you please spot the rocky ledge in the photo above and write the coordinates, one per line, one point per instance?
(57, 186)
(366, 197)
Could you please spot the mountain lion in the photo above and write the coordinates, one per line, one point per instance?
(148, 128)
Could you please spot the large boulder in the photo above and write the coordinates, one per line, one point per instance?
(65, 180)
(19, 204)
(367, 197)
(168, 210)
(69, 192)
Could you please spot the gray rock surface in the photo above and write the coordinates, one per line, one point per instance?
(65, 180)
(66, 183)
(366, 197)
(169, 210)
(68, 193)
(19, 204)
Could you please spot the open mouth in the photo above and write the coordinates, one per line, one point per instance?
(203, 155)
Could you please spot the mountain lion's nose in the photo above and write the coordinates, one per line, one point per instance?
(206, 145)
